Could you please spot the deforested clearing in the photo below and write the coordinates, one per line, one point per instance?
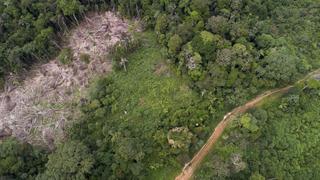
(38, 109)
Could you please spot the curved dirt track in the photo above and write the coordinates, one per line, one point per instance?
(191, 166)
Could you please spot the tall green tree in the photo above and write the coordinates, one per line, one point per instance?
(71, 160)
(19, 160)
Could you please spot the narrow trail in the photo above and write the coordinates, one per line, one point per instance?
(191, 166)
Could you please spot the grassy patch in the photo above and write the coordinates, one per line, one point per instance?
(143, 89)
(146, 95)
(148, 99)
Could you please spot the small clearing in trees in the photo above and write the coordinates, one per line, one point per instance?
(38, 110)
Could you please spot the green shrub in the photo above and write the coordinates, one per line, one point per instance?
(65, 56)
(174, 44)
(122, 49)
(19, 160)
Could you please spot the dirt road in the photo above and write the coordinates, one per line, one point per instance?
(191, 166)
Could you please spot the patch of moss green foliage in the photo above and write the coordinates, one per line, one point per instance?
(20, 160)
(130, 114)
(143, 90)
(65, 56)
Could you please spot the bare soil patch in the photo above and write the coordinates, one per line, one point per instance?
(162, 69)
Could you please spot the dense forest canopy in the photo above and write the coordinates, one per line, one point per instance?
(29, 29)
(171, 84)
(278, 140)
(226, 47)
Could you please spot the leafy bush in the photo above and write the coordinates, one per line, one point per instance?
(122, 49)
(65, 56)
(71, 160)
(19, 160)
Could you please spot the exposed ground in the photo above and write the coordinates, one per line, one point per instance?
(191, 166)
(38, 109)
